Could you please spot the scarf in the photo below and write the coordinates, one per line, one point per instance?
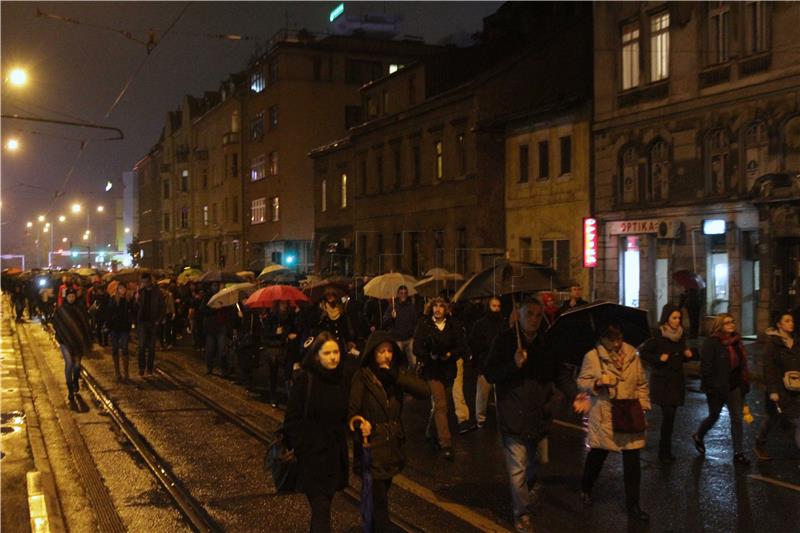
(736, 354)
(333, 311)
(618, 358)
(672, 334)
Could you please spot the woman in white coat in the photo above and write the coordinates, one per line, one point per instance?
(613, 371)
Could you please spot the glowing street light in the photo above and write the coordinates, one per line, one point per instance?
(76, 208)
(40, 218)
(12, 145)
(127, 230)
(100, 208)
(85, 237)
(29, 225)
(63, 239)
(62, 218)
(18, 77)
(109, 185)
(46, 229)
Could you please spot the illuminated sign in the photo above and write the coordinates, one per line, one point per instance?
(589, 242)
(338, 10)
(714, 226)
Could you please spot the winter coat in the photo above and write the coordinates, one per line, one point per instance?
(382, 407)
(119, 316)
(527, 396)
(402, 327)
(432, 345)
(483, 333)
(631, 384)
(156, 311)
(718, 378)
(72, 329)
(779, 359)
(667, 383)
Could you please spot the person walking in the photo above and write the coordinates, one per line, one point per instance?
(439, 340)
(401, 319)
(782, 356)
(149, 314)
(315, 427)
(74, 337)
(526, 376)
(666, 353)
(376, 395)
(96, 302)
(611, 372)
(166, 330)
(215, 326)
(483, 333)
(725, 380)
(120, 314)
(575, 298)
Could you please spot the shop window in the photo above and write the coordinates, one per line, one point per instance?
(659, 171)
(718, 295)
(717, 161)
(631, 271)
(755, 152)
(629, 175)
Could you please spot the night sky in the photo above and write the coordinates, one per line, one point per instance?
(77, 71)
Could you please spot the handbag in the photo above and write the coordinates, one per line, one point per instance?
(280, 461)
(791, 380)
(627, 416)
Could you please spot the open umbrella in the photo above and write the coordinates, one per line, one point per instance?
(84, 272)
(13, 271)
(267, 296)
(431, 286)
(112, 287)
(189, 274)
(230, 295)
(442, 274)
(688, 279)
(281, 277)
(576, 331)
(339, 284)
(163, 282)
(385, 286)
(270, 269)
(367, 505)
(218, 276)
(247, 275)
(127, 275)
(509, 277)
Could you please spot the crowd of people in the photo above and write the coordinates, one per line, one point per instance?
(348, 361)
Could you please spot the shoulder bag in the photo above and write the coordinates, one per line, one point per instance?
(791, 380)
(627, 415)
(280, 461)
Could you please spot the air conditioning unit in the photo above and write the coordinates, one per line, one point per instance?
(669, 229)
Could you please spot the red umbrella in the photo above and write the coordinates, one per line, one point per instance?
(267, 296)
(689, 280)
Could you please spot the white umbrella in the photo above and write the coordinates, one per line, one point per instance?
(440, 274)
(230, 295)
(270, 269)
(385, 286)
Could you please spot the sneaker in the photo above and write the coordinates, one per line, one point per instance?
(699, 444)
(635, 512)
(741, 459)
(523, 524)
(447, 452)
(465, 427)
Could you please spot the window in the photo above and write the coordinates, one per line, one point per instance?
(364, 176)
(718, 32)
(659, 46)
(324, 195)
(165, 189)
(205, 215)
(372, 108)
(438, 247)
(555, 253)
(235, 209)
(352, 116)
(275, 209)
(361, 72)
(544, 160)
(184, 218)
(756, 27)
(273, 117)
(461, 154)
(273, 72)
(257, 127)
(417, 166)
(630, 175)
(717, 162)
(224, 210)
(659, 171)
(257, 80)
(379, 172)
(166, 222)
(258, 210)
(461, 250)
(412, 90)
(398, 168)
(235, 165)
(258, 168)
(791, 135)
(756, 143)
(273, 163)
(438, 150)
(566, 154)
(525, 249)
(214, 213)
(524, 162)
(184, 181)
(344, 191)
(204, 178)
(385, 102)
(630, 56)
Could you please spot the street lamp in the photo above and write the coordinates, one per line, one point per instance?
(12, 145)
(76, 208)
(18, 77)
(62, 218)
(40, 218)
(127, 230)
(29, 224)
(64, 239)
(100, 208)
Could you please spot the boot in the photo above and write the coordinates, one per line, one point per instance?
(116, 369)
(125, 368)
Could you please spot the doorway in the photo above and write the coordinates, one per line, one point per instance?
(662, 285)
(631, 271)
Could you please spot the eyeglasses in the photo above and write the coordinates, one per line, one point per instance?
(726, 322)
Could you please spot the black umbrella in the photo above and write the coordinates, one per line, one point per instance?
(218, 276)
(576, 331)
(339, 284)
(509, 277)
(282, 277)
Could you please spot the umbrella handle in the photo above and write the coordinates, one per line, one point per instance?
(360, 419)
(516, 325)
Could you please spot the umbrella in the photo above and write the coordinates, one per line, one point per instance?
(688, 279)
(247, 275)
(189, 274)
(338, 284)
(442, 274)
(367, 505)
(431, 286)
(280, 277)
(84, 272)
(127, 275)
(509, 277)
(112, 287)
(230, 295)
(576, 331)
(385, 286)
(267, 296)
(163, 282)
(218, 276)
(13, 271)
(269, 269)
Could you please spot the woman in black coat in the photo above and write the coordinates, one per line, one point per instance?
(665, 353)
(317, 432)
(782, 355)
(376, 395)
(119, 316)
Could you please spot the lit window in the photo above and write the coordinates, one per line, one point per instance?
(439, 151)
(205, 215)
(273, 163)
(324, 195)
(258, 168)
(275, 209)
(344, 190)
(257, 81)
(630, 56)
(258, 211)
(659, 46)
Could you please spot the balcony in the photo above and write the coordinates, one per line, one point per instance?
(231, 137)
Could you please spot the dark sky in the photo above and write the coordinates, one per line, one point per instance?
(77, 71)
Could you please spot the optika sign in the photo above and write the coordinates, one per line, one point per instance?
(628, 227)
(589, 242)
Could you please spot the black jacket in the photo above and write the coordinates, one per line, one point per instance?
(382, 406)
(483, 333)
(667, 383)
(779, 359)
(432, 345)
(155, 313)
(119, 316)
(71, 325)
(718, 378)
(527, 396)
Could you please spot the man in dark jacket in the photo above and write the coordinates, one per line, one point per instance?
(148, 317)
(575, 298)
(526, 375)
(401, 319)
(481, 337)
(215, 325)
(74, 338)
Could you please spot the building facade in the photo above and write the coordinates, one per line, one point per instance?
(694, 104)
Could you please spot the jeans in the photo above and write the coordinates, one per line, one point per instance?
(520, 454)
(119, 343)
(631, 468)
(320, 512)
(215, 344)
(460, 404)
(667, 423)
(167, 332)
(72, 369)
(734, 403)
(482, 392)
(439, 414)
(147, 346)
(407, 347)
